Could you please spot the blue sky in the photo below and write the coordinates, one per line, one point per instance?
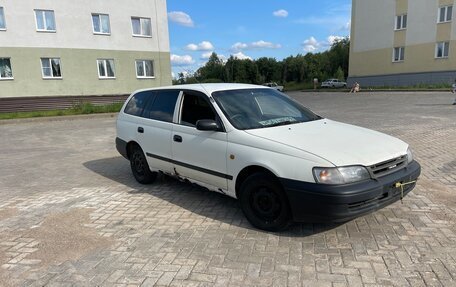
(252, 28)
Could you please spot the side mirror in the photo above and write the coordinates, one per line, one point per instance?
(207, 125)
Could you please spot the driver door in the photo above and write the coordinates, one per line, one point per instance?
(199, 155)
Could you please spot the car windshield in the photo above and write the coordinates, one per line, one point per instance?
(261, 108)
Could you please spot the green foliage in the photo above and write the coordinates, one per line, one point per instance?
(77, 109)
(339, 74)
(299, 70)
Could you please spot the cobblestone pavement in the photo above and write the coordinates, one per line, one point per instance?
(71, 213)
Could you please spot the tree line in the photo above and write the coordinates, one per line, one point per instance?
(295, 70)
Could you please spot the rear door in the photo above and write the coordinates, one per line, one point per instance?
(154, 129)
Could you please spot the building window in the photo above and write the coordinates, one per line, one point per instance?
(106, 69)
(50, 68)
(398, 54)
(445, 14)
(141, 27)
(442, 49)
(2, 19)
(101, 24)
(401, 22)
(45, 20)
(144, 69)
(5, 69)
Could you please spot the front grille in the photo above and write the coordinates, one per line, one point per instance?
(387, 167)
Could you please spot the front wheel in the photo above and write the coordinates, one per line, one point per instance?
(140, 167)
(264, 203)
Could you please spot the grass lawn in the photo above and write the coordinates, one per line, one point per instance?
(78, 109)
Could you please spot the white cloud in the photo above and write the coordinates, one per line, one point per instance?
(333, 39)
(264, 45)
(280, 13)
(181, 18)
(255, 45)
(184, 60)
(239, 46)
(311, 45)
(206, 55)
(203, 46)
(241, 56)
(222, 57)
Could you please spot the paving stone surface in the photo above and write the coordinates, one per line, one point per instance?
(71, 214)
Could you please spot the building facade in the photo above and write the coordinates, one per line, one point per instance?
(402, 42)
(84, 47)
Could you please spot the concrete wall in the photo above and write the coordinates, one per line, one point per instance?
(374, 38)
(78, 47)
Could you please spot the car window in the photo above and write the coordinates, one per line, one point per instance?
(261, 108)
(274, 106)
(138, 102)
(194, 108)
(162, 108)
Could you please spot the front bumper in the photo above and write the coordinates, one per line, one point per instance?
(311, 202)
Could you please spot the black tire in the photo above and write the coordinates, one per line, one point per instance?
(264, 203)
(140, 167)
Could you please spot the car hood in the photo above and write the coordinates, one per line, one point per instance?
(339, 143)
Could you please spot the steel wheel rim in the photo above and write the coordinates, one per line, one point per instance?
(265, 204)
(138, 164)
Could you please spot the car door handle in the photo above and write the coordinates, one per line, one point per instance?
(140, 130)
(177, 138)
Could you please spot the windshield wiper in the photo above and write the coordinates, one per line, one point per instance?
(284, 123)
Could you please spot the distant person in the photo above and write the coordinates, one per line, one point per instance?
(355, 88)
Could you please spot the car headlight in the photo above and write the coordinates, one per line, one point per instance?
(409, 155)
(340, 175)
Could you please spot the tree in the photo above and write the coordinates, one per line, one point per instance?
(299, 68)
(212, 70)
(339, 54)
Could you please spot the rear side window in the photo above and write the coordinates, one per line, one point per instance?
(138, 102)
(162, 108)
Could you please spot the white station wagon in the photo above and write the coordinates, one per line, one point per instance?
(283, 162)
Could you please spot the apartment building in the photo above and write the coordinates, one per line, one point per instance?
(84, 47)
(402, 42)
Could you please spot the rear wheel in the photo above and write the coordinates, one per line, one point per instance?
(140, 167)
(264, 203)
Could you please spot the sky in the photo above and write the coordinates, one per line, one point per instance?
(250, 29)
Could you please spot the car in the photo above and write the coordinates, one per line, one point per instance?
(274, 86)
(333, 83)
(283, 162)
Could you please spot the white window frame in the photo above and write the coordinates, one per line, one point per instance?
(43, 12)
(448, 17)
(49, 60)
(401, 21)
(2, 15)
(445, 50)
(105, 68)
(141, 19)
(401, 56)
(100, 24)
(144, 69)
(11, 68)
